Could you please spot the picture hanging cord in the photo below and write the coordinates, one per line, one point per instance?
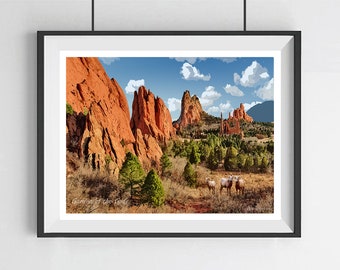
(244, 15)
(92, 17)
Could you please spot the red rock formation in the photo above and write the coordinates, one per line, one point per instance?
(151, 116)
(75, 124)
(232, 124)
(107, 131)
(191, 111)
(239, 113)
(147, 150)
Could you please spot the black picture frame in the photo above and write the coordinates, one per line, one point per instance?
(41, 105)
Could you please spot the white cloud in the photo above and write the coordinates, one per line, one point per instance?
(264, 75)
(223, 107)
(227, 59)
(247, 106)
(252, 76)
(174, 104)
(133, 85)
(108, 60)
(208, 96)
(206, 102)
(236, 78)
(233, 90)
(267, 91)
(191, 60)
(190, 72)
(213, 110)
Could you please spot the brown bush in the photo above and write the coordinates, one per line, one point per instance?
(260, 136)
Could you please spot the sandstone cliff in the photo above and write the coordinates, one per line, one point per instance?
(98, 125)
(151, 124)
(151, 116)
(191, 111)
(147, 149)
(99, 129)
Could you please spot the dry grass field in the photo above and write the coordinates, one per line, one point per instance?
(90, 191)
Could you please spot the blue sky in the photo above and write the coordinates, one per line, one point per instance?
(220, 83)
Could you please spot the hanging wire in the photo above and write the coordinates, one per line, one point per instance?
(92, 16)
(244, 15)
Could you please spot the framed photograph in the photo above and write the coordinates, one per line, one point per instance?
(169, 134)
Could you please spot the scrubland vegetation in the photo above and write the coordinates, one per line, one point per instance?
(179, 184)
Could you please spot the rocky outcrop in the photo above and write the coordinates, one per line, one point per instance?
(240, 113)
(232, 124)
(191, 111)
(147, 149)
(75, 127)
(151, 116)
(99, 129)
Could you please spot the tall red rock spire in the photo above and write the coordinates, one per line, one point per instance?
(151, 124)
(151, 116)
(191, 111)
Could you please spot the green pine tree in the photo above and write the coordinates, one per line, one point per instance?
(212, 161)
(270, 147)
(232, 152)
(190, 175)
(249, 163)
(152, 190)
(264, 164)
(194, 157)
(204, 150)
(165, 163)
(231, 161)
(257, 161)
(131, 175)
(220, 153)
(241, 160)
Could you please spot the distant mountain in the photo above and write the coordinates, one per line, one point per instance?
(263, 112)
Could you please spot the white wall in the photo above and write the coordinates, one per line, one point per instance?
(318, 247)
